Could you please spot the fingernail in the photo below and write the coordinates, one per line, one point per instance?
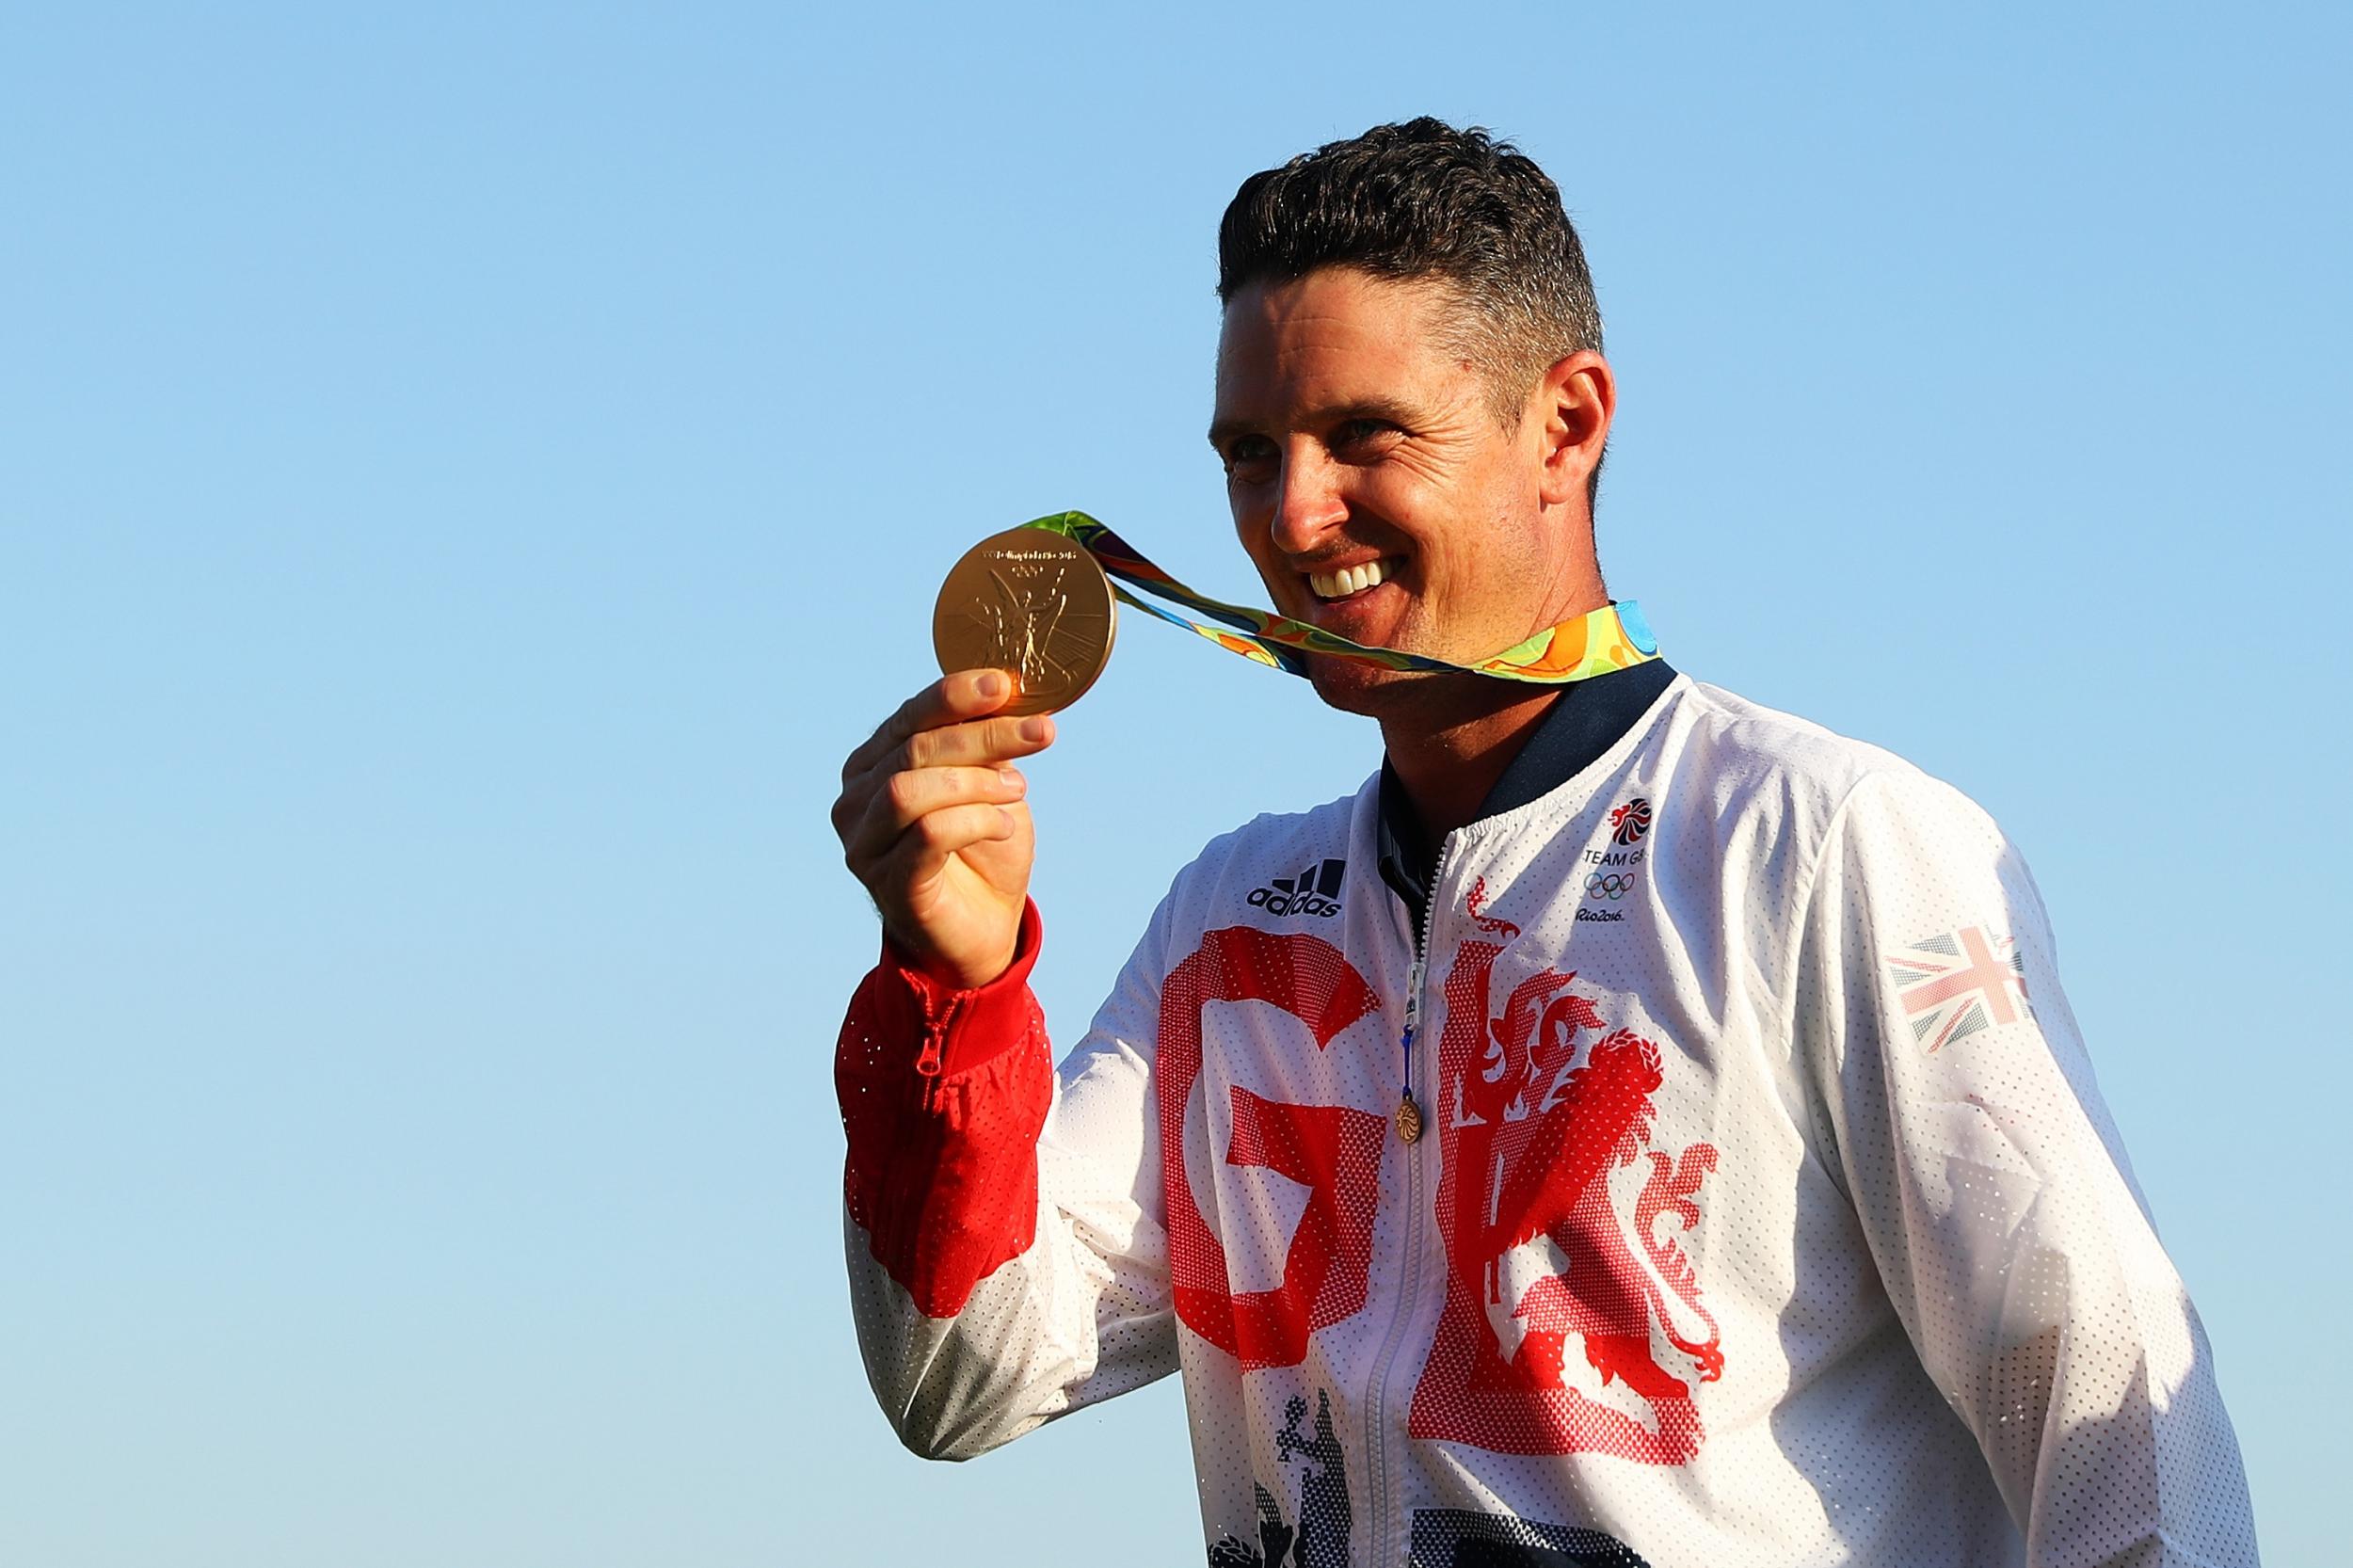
(992, 685)
(1009, 778)
(1033, 729)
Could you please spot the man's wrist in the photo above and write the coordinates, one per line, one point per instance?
(943, 972)
(971, 1023)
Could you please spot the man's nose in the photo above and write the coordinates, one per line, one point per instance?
(1308, 505)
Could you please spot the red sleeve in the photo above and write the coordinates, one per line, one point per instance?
(943, 1095)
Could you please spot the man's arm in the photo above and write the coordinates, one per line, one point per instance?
(1995, 1193)
(1006, 1263)
(1007, 1260)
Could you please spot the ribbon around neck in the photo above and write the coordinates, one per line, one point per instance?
(1613, 638)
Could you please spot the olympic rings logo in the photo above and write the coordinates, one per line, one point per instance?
(1609, 885)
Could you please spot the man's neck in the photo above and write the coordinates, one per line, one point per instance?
(1448, 768)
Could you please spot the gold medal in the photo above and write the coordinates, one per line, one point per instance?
(1032, 602)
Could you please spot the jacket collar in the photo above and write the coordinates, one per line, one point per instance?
(1585, 720)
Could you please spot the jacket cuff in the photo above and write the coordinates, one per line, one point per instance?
(965, 1029)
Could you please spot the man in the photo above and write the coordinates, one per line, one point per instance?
(1636, 1128)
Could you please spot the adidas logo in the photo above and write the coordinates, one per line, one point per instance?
(1311, 893)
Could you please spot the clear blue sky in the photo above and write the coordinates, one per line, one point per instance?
(467, 475)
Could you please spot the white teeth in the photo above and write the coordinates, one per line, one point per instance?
(1348, 580)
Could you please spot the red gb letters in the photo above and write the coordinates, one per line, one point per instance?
(1527, 1138)
(1532, 1122)
(1334, 1151)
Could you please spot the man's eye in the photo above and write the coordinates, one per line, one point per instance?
(1358, 434)
(1248, 456)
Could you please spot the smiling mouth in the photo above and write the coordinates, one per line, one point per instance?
(1350, 580)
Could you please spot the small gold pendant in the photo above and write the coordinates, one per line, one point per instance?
(1408, 1121)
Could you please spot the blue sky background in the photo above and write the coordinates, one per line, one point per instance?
(468, 474)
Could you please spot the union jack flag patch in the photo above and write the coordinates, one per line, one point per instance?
(1957, 983)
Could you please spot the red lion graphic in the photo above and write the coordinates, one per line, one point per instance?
(1529, 1139)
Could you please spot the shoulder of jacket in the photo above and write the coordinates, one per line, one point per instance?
(1277, 834)
(1762, 751)
(1804, 786)
(1273, 838)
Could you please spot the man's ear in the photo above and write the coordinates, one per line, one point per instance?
(1573, 405)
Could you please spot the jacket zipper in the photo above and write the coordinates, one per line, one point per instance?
(929, 1059)
(1377, 1484)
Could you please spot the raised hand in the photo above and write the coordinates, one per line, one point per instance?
(933, 820)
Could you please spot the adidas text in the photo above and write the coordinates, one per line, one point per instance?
(1314, 891)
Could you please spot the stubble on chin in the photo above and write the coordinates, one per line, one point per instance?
(1409, 704)
(1391, 696)
(1354, 688)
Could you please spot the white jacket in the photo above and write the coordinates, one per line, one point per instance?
(1767, 1211)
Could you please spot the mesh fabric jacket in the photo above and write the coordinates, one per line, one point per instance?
(1764, 1210)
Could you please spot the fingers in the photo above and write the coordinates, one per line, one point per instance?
(903, 799)
(976, 743)
(945, 746)
(922, 851)
(950, 699)
(931, 785)
(983, 743)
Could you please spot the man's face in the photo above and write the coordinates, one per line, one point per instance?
(1371, 483)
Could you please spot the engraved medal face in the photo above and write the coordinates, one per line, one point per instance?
(1032, 602)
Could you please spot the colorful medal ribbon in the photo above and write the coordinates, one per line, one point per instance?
(1610, 638)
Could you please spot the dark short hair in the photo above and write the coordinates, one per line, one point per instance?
(1422, 200)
